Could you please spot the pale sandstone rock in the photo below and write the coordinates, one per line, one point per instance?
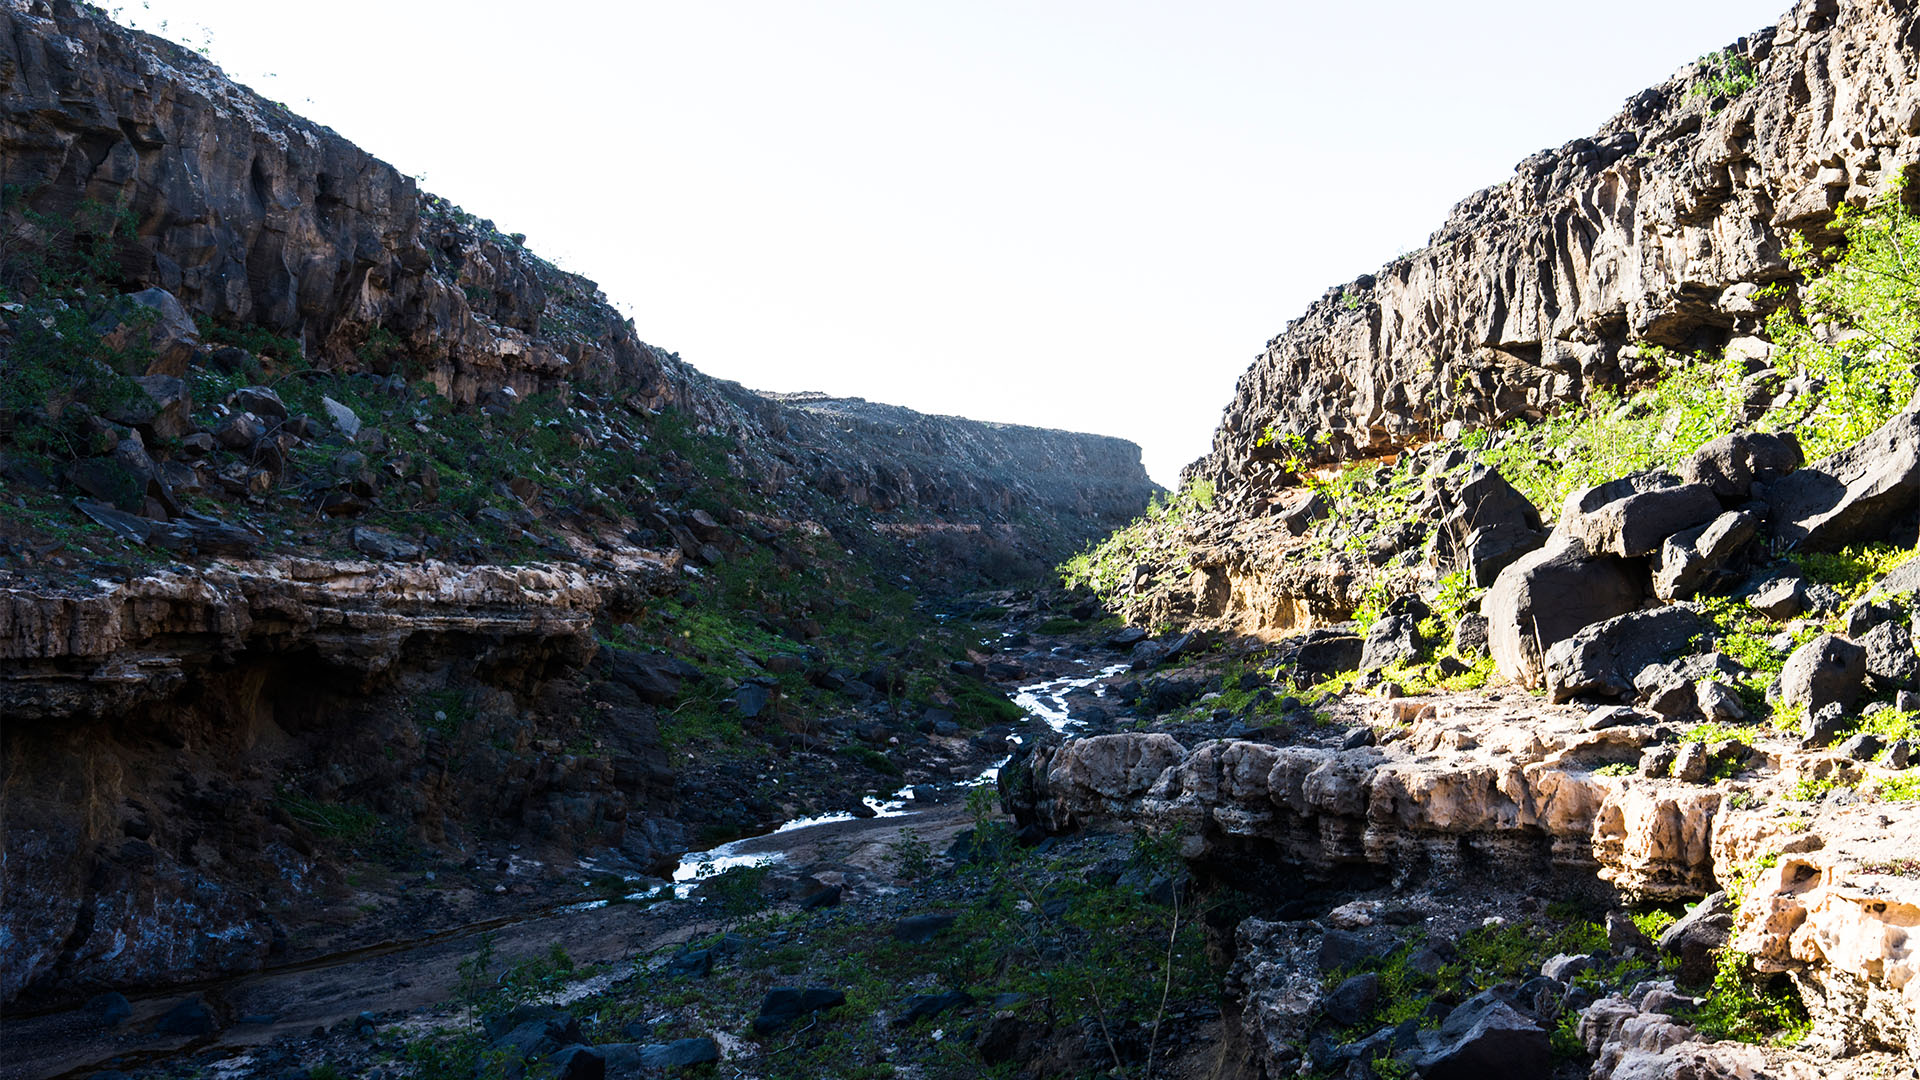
(1525, 793)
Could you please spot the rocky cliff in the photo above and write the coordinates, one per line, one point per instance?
(251, 216)
(1625, 434)
(341, 530)
(1654, 231)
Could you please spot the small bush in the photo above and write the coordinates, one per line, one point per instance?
(1743, 1007)
(1155, 537)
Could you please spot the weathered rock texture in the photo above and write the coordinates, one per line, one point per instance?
(1656, 229)
(151, 724)
(158, 727)
(1471, 788)
(253, 216)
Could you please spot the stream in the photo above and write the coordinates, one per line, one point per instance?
(421, 975)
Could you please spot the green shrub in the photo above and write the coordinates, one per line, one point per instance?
(1898, 788)
(1857, 327)
(1156, 537)
(1723, 74)
(1743, 1007)
(330, 820)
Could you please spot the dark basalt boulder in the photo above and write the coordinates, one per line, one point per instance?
(1731, 464)
(1547, 597)
(1601, 660)
(785, 1004)
(1637, 524)
(1828, 670)
(1485, 1039)
(1855, 496)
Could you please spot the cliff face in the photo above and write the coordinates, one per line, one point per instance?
(302, 609)
(252, 216)
(1656, 230)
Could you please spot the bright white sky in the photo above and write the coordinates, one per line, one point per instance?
(1084, 214)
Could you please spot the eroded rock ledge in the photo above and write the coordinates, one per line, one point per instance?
(1462, 787)
(78, 655)
(148, 723)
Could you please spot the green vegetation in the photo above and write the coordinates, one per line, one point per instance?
(61, 369)
(329, 820)
(1746, 876)
(1742, 1006)
(1856, 331)
(1807, 789)
(1654, 923)
(1695, 400)
(1618, 768)
(1853, 571)
(1858, 327)
(1897, 788)
(1723, 74)
(1891, 724)
(1075, 940)
(1156, 537)
(1500, 952)
(1712, 733)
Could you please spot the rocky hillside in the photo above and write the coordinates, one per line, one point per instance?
(1660, 230)
(342, 535)
(1575, 557)
(257, 221)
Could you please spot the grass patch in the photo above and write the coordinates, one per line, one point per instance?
(1745, 1007)
(329, 820)
(1897, 788)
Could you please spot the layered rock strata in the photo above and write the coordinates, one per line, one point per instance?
(150, 725)
(1461, 787)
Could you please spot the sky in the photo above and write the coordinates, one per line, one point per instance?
(1066, 213)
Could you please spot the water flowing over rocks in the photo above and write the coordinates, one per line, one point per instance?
(310, 653)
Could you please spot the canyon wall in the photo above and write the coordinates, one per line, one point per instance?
(253, 216)
(1655, 231)
(290, 646)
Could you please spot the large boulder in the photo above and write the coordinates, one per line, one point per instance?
(162, 409)
(1548, 596)
(1691, 560)
(1698, 935)
(1730, 464)
(1320, 653)
(1578, 505)
(1485, 1039)
(1890, 659)
(655, 677)
(151, 325)
(1637, 524)
(1855, 496)
(1495, 547)
(637, 1060)
(1394, 639)
(1828, 670)
(1902, 580)
(1487, 525)
(1601, 660)
(785, 1004)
